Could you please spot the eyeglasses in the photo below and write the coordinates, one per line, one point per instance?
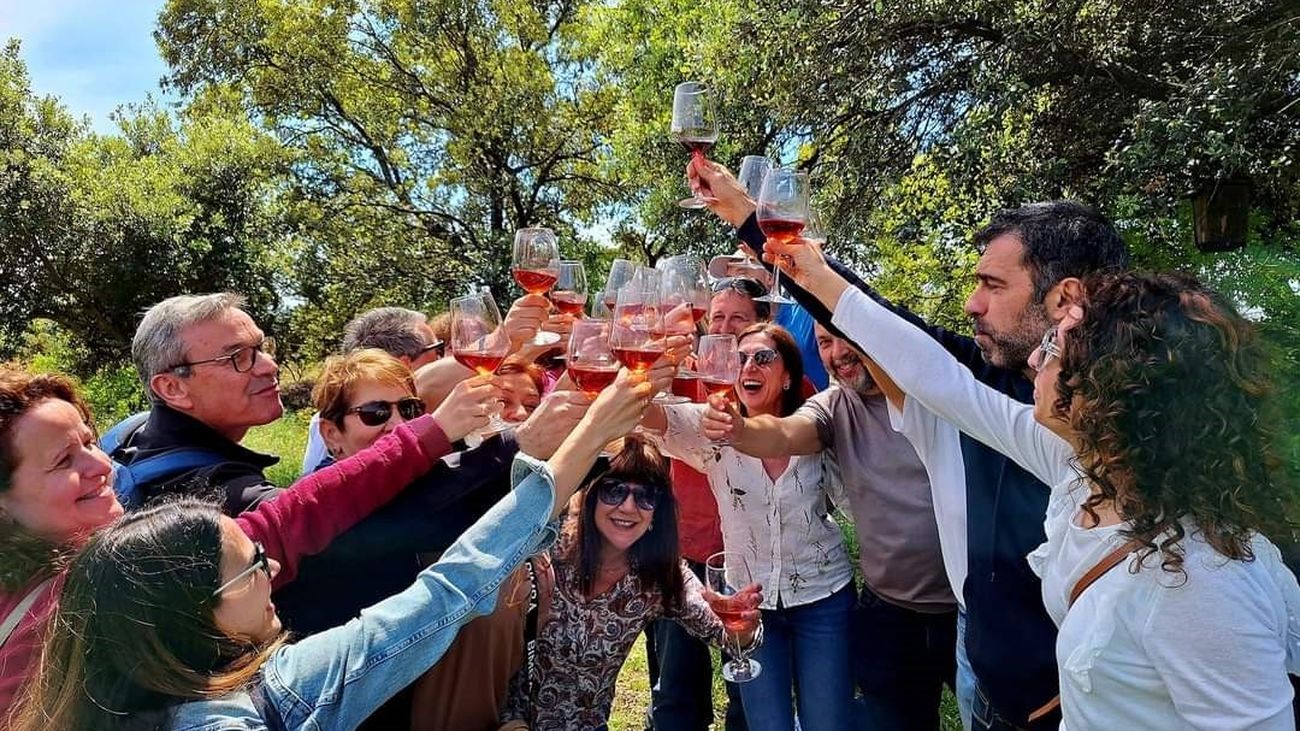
(1047, 350)
(260, 561)
(241, 360)
(438, 346)
(614, 492)
(742, 285)
(764, 357)
(376, 413)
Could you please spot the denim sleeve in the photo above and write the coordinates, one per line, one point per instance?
(337, 678)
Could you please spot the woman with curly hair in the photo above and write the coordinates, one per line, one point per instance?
(1151, 418)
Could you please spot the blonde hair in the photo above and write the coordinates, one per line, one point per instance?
(339, 379)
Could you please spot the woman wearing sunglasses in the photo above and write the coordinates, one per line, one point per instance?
(56, 490)
(1153, 420)
(775, 512)
(617, 570)
(158, 629)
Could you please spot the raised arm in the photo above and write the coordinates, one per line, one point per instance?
(761, 436)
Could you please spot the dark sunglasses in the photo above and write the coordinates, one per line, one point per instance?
(742, 285)
(614, 492)
(260, 561)
(439, 347)
(763, 357)
(375, 413)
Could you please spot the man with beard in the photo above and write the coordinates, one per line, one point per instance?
(905, 622)
(1027, 277)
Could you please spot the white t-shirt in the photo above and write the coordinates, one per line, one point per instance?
(1137, 651)
(316, 450)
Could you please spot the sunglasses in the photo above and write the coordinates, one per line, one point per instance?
(1047, 350)
(376, 413)
(764, 357)
(260, 561)
(438, 347)
(742, 285)
(614, 492)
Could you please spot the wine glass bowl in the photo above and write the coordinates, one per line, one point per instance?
(782, 214)
(694, 125)
(592, 365)
(636, 334)
(478, 341)
(536, 268)
(570, 293)
(718, 365)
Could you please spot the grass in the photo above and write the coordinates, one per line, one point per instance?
(286, 438)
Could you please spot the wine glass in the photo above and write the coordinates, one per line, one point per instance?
(782, 215)
(620, 273)
(718, 364)
(695, 125)
(753, 168)
(536, 267)
(478, 341)
(570, 293)
(726, 573)
(592, 365)
(636, 333)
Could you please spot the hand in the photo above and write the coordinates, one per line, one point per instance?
(677, 348)
(802, 261)
(525, 318)
(557, 415)
(722, 420)
(748, 600)
(467, 407)
(618, 408)
(716, 184)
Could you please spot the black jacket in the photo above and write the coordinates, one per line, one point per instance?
(1010, 639)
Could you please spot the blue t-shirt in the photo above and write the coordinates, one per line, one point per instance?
(800, 324)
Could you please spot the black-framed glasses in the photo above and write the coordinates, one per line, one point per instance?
(614, 492)
(763, 357)
(1047, 350)
(741, 285)
(376, 413)
(260, 561)
(438, 346)
(241, 360)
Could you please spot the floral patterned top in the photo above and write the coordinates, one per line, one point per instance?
(583, 644)
(783, 526)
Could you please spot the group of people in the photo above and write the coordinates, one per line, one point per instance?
(1071, 519)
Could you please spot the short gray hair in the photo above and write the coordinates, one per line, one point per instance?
(157, 345)
(394, 330)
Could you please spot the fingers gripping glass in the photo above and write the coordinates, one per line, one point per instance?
(727, 573)
(377, 413)
(614, 492)
(1047, 350)
(260, 561)
(242, 360)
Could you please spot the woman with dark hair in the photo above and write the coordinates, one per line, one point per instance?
(56, 490)
(775, 512)
(617, 570)
(1152, 419)
(166, 621)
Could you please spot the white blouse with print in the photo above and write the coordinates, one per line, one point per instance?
(782, 527)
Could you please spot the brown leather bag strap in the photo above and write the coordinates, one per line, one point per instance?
(1108, 562)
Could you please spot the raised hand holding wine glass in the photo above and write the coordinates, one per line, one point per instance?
(536, 267)
(478, 341)
(782, 215)
(718, 363)
(695, 125)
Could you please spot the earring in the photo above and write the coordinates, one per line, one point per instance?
(786, 387)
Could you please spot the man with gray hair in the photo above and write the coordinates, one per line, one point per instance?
(211, 375)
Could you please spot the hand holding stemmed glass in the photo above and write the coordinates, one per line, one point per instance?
(536, 267)
(718, 364)
(782, 215)
(685, 298)
(753, 169)
(479, 342)
(695, 125)
(735, 598)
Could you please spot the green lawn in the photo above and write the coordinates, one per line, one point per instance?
(287, 438)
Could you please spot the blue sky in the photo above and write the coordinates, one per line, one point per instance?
(94, 55)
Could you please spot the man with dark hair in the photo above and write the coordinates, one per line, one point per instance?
(1027, 277)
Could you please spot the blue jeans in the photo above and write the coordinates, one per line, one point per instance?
(806, 661)
(681, 679)
(965, 690)
(901, 660)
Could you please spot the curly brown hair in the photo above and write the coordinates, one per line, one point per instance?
(1166, 388)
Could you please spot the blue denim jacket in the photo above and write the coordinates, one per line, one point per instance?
(335, 679)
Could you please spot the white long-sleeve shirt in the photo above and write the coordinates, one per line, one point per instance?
(1137, 650)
